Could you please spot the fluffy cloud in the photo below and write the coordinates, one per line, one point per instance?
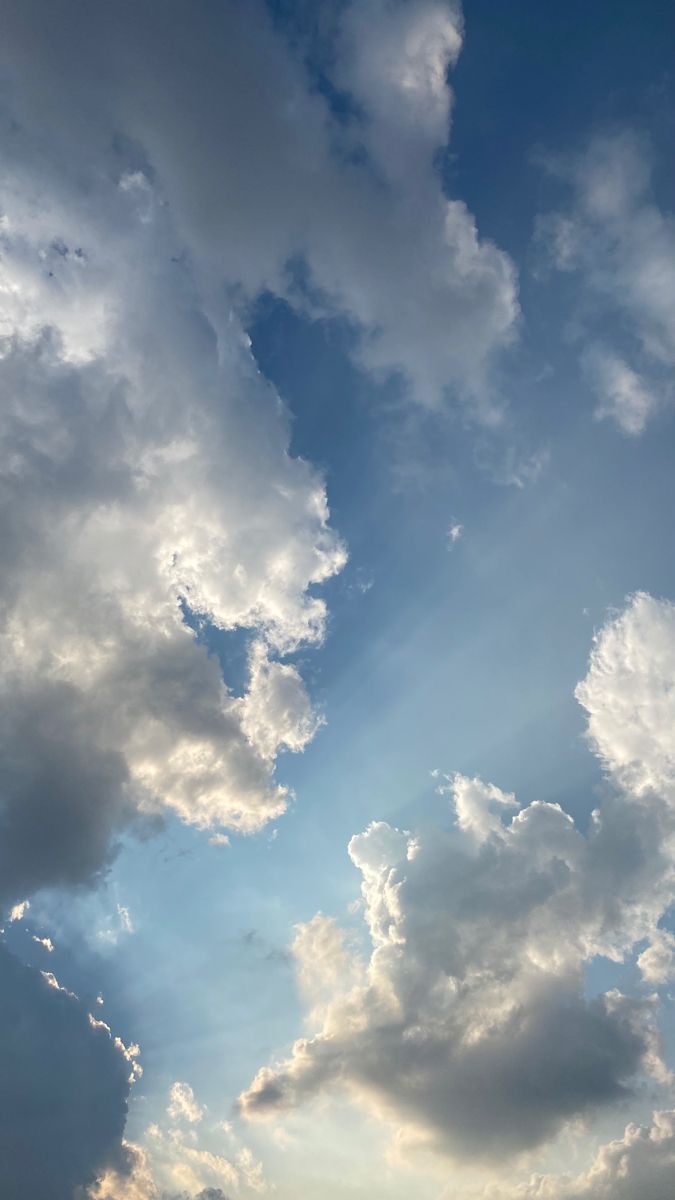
(259, 183)
(173, 1163)
(182, 1104)
(641, 1163)
(629, 695)
(468, 1024)
(145, 467)
(620, 246)
(64, 1085)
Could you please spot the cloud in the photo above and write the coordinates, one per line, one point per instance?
(619, 247)
(641, 1163)
(257, 187)
(468, 1024)
(183, 1106)
(171, 1165)
(63, 1088)
(219, 839)
(622, 393)
(454, 533)
(147, 471)
(146, 467)
(629, 695)
(46, 943)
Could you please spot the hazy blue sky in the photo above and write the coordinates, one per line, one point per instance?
(337, 697)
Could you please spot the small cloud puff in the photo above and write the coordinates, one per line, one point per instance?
(182, 1104)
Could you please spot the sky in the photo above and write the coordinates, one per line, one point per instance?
(337, 600)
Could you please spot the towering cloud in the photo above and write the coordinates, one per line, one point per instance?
(469, 1023)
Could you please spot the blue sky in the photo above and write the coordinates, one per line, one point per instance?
(337, 357)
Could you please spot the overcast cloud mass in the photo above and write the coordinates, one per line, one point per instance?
(296, 298)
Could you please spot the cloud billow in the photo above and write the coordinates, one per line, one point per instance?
(146, 462)
(468, 1025)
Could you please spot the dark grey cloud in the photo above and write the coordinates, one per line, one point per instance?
(64, 1085)
(63, 798)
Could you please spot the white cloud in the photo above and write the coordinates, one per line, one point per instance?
(122, 926)
(146, 461)
(454, 533)
(182, 1104)
(256, 186)
(623, 395)
(621, 248)
(641, 1164)
(468, 1026)
(46, 943)
(629, 695)
(657, 962)
(173, 1165)
(150, 467)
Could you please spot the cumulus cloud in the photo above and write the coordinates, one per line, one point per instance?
(620, 247)
(172, 1164)
(629, 695)
(182, 1104)
(640, 1163)
(255, 187)
(468, 1023)
(145, 467)
(64, 1085)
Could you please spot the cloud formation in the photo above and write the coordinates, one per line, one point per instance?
(256, 187)
(64, 1086)
(640, 1163)
(173, 1163)
(146, 467)
(469, 1024)
(619, 246)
